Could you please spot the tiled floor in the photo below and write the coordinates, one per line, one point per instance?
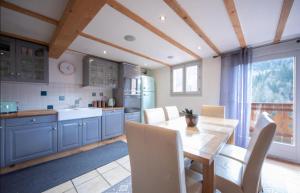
(97, 180)
(277, 177)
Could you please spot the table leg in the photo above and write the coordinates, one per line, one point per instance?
(208, 178)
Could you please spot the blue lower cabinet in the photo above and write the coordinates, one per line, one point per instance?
(112, 123)
(2, 140)
(25, 142)
(69, 134)
(91, 130)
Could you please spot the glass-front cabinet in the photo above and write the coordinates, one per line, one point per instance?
(7, 58)
(32, 62)
(23, 61)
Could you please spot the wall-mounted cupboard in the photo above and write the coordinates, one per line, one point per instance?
(100, 72)
(23, 61)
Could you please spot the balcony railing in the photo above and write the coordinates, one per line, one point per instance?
(281, 113)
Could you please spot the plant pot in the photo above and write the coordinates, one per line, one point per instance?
(191, 120)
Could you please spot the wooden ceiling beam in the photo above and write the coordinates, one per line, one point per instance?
(12, 35)
(175, 6)
(122, 9)
(234, 18)
(285, 12)
(24, 11)
(76, 17)
(121, 48)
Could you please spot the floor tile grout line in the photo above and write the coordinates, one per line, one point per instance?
(104, 178)
(125, 168)
(74, 186)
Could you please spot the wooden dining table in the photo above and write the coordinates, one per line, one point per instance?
(203, 142)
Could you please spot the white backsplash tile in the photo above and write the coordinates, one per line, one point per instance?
(28, 95)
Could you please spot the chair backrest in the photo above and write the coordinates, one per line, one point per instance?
(171, 112)
(156, 159)
(213, 111)
(257, 151)
(154, 115)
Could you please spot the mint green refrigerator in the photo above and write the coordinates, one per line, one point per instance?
(148, 94)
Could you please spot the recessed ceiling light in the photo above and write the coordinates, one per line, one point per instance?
(104, 52)
(129, 38)
(1, 53)
(91, 60)
(199, 47)
(170, 57)
(162, 18)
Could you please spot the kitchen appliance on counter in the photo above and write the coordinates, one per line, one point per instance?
(8, 107)
(128, 93)
(147, 94)
(111, 102)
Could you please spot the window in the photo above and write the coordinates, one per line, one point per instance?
(186, 79)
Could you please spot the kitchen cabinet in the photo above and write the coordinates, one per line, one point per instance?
(99, 72)
(91, 130)
(7, 58)
(2, 143)
(78, 132)
(69, 134)
(23, 61)
(112, 123)
(32, 62)
(25, 142)
(134, 116)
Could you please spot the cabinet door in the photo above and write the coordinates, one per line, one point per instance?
(112, 123)
(26, 142)
(7, 58)
(69, 134)
(32, 62)
(2, 142)
(91, 130)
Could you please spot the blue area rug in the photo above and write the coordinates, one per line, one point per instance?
(47, 175)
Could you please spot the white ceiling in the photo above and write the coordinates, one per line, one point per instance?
(258, 18)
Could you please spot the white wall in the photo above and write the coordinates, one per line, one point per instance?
(210, 82)
(28, 95)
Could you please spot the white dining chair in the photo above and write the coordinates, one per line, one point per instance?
(155, 115)
(233, 176)
(213, 111)
(171, 112)
(156, 160)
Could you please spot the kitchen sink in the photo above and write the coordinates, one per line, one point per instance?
(78, 113)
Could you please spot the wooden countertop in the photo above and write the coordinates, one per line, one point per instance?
(28, 114)
(112, 108)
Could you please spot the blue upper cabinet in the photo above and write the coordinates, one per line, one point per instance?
(7, 58)
(23, 61)
(32, 62)
(112, 123)
(91, 130)
(25, 142)
(2, 141)
(69, 134)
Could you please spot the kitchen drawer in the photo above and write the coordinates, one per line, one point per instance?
(31, 120)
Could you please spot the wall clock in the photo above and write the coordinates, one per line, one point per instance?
(66, 68)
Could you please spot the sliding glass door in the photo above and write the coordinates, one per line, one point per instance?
(275, 89)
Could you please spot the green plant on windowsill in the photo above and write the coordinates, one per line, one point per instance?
(190, 118)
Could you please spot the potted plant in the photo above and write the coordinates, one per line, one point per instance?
(190, 118)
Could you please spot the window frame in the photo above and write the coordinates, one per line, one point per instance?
(199, 79)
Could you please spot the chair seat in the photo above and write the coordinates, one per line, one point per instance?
(229, 174)
(193, 181)
(234, 152)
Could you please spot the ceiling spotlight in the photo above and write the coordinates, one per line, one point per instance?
(91, 60)
(162, 18)
(104, 52)
(129, 38)
(170, 57)
(1, 53)
(199, 47)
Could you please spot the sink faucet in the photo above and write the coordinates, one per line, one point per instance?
(76, 102)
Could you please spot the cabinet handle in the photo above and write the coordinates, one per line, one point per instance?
(18, 74)
(54, 128)
(33, 120)
(12, 73)
(80, 124)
